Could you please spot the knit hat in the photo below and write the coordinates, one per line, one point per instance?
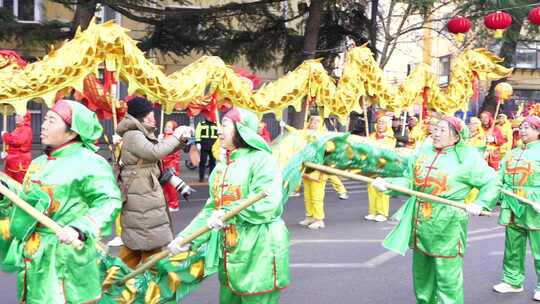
(139, 107)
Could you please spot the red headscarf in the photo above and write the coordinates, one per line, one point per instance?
(233, 114)
(534, 121)
(63, 109)
(454, 122)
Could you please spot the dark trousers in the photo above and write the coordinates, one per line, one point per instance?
(206, 155)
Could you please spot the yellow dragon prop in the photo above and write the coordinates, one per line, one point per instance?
(67, 66)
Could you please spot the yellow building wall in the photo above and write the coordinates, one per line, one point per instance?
(56, 11)
(524, 79)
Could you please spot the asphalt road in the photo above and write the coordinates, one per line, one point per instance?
(345, 263)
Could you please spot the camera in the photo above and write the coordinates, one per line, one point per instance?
(182, 187)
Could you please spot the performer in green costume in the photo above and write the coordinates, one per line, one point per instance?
(437, 233)
(76, 188)
(520, 173)
(251, 252)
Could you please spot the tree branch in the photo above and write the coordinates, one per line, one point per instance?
(183, 11)
(127, 13)
(390, 38)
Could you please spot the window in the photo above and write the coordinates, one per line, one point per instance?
(524, 98)
(105, 13)
(24, 10)
(444, 70)
(526, 55)
(527, 95)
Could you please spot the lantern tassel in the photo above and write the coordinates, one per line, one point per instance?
(460, 37)
(499, 34)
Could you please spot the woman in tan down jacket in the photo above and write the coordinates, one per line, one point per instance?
(146, 224)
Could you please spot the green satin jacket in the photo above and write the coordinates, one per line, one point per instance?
(440, 230)
(520, 173)
(252, 253)
(75, 187)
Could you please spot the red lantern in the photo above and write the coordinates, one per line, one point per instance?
(534, 16)
(498, 21)
(459, 25)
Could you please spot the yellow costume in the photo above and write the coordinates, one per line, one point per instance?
(379, 203)
(477, 139)
(508, 134)
(216, 150)
(314, 187)
(337, 185)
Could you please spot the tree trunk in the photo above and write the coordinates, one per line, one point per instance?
(84, 13)
(311, 38)
(373, 28)
(508, 52)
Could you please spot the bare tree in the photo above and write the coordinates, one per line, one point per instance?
(394, 23)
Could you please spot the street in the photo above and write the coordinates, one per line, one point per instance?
(345, 263)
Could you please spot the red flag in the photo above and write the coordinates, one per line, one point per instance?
(108, 81)
(211, 110)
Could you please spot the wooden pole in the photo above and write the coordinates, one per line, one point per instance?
(40, 217)
(306, 113)
(403, 123)
(495, 117)
(114, 118)
(366, 179)
(111, 147)
(522, 199)
(165, 253)
(112, 95)
(161, 119)
(4, 126)
(364, 108)
(497, 109)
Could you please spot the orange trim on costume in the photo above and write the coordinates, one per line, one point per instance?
(525, 171)
(440, 184)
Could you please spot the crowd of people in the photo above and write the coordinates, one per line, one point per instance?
(78, 189)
